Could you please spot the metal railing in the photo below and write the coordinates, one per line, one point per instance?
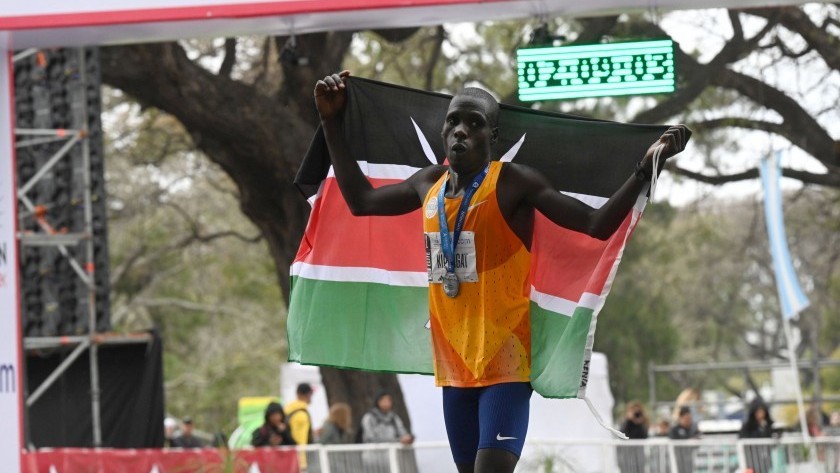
(711, 455)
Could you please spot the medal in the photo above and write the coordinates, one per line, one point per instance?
(448, 242)
(451, 284)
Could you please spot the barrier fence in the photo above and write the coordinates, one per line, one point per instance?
(710, 455)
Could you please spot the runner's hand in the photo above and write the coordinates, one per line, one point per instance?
(330, 95)
(674, 139)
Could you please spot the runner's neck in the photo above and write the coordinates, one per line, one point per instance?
(458, 182)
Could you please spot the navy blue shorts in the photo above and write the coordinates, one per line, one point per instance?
(489, 417)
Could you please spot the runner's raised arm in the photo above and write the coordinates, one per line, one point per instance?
(360, 195)
(529, 187)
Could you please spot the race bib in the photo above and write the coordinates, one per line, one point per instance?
(464, 258)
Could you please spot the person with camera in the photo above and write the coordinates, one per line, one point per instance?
(635, 427)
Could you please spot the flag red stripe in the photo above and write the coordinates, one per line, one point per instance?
(565, 263)
(392, 243)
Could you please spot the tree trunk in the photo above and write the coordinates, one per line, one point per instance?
(359, 389)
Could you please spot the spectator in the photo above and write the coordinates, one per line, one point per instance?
(661, 428)
(758, 424)
(689, 397)
(834, 424)
(635, 427)
(635, 424)
(382, 425)
(814, 419)
(684, 429)
(336, 429)
(169, 427)
(299, 421)
(187, 439)
(274, 431)
(297, 415)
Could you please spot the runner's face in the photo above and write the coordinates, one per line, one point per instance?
(467, 134)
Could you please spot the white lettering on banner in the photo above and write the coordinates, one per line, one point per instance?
(464, 258)
(10, 372)
(8, 383)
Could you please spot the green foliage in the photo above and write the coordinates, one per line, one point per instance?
(635, 327)
(185, 260)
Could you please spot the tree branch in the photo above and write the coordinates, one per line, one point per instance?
(185, 305)
(195, 230)
(699, 74)
(434, 58)
(118, 273)
(800, 127)
(817, 38)
(230, 58)
(595, 28)
(396, 35)
(740, 122)
(828, 180)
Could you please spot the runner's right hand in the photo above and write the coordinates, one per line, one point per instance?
(330, 95)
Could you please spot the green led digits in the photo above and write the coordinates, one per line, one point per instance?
(596, 70)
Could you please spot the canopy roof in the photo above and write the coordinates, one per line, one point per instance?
(52, 23)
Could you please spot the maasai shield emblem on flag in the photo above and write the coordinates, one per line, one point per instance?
(359, 294)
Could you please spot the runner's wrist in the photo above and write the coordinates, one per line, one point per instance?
(643, 170)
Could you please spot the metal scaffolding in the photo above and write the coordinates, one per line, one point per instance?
(83, 266)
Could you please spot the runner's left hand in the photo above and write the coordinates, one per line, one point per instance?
(675, 138)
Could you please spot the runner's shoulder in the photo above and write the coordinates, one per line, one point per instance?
(432, 172)
(520, 175)
(425, 178)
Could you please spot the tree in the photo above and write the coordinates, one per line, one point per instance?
(636, 326)
(714, 273)
(183, 262)
(257, 140)
(246, 104)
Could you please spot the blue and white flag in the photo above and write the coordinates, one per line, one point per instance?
(791, 297)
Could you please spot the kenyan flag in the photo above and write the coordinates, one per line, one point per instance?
(359, 294)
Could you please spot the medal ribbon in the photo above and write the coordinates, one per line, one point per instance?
(446, 241)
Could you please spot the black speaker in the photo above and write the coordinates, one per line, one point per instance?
(60, 89)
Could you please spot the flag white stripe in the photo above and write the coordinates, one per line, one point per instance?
(563, 306)
(511, 153)
(420, 279)
(398, 171)
(594, 201)
(383, 171)
(427, 148)
(360, 274)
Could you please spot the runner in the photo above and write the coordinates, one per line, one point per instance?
(478, 222)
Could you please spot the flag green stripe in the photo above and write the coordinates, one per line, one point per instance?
(330, 320)
(558, 344)
(377, 327)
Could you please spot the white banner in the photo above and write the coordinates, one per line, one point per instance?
(55, 23)
(10, 354)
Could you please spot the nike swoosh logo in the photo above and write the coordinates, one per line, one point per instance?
(499, 437)
(475, 205)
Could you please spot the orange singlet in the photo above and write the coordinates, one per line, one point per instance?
(482, 336)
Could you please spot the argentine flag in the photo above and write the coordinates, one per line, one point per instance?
(791, 297)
